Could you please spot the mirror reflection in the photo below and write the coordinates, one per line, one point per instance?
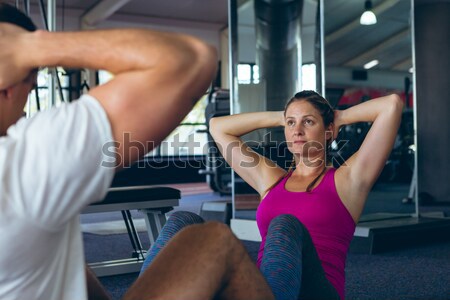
(278, 56)
(364, 62)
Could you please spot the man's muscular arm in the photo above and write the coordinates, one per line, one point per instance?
(157, 75)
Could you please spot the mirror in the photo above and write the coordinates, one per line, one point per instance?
(363, 62)
(270, 41)
(262, 79)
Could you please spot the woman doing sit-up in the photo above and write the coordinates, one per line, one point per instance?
(325, 202)
(307, 215)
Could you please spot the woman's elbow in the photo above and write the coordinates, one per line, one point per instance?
(212, 125)
(212, 122)
(396, 102)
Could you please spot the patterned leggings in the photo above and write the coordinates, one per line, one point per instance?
(290, 263)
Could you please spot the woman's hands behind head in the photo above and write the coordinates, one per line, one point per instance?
(281, 118)
(338, 122)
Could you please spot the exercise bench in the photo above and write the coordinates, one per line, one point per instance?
(154, 202)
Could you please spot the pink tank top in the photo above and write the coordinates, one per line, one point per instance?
(322, 212)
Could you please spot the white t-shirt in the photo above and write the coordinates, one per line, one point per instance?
(50, 168)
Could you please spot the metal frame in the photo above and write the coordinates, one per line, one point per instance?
(154, 214)
(415, 180)
(322, 48)
(232, 64)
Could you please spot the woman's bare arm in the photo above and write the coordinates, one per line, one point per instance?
(255, 169)
(356, 177)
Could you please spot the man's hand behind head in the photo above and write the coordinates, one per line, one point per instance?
(12, 71)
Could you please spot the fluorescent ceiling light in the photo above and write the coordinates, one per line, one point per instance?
(371, 64)
(368, 17)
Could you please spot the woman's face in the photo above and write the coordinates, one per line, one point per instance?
(304, 130)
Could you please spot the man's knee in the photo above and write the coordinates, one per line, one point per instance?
(214, 232)
(219, 230)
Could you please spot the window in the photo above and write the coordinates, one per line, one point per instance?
(309, 77)
(255, 74)
(39, 99)
(185, 139)
(248, 73)
(104, 76)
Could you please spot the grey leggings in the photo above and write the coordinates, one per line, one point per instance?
(290, 263)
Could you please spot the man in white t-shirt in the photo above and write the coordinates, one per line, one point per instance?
(51, 165)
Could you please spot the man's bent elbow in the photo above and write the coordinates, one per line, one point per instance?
(207, 59)
(200, 54)
(198, 65)
(208, 53)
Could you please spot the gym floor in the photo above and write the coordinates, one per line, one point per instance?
(420, 272)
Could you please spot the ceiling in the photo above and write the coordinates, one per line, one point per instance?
(348, 44)
(208, 11)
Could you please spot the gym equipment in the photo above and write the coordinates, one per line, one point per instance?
(382, 232)
(412, 189)
(218, 172)
(153, 202)
(400, 164)
(50, 26)
(220, 211)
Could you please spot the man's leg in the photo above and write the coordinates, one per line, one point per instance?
(95, 289)
(202, 262)
(177, 221)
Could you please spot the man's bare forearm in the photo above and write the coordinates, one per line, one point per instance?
(120, 50)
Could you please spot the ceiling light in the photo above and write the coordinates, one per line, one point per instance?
(371, 64)
(368, 17)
